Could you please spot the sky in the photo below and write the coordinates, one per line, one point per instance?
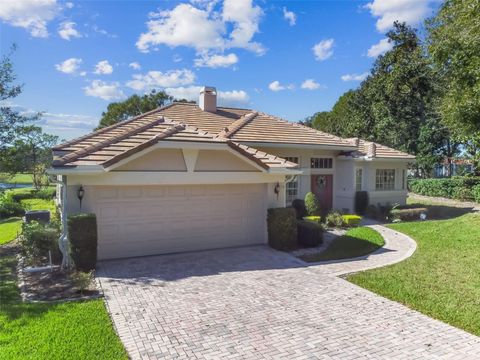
(287, 58)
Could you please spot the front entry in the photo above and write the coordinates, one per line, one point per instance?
(322, 186)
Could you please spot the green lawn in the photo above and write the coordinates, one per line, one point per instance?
(75, 330)
(38, 204)
(356, 242)
(442, 278)
(9, 229)
(16, 179)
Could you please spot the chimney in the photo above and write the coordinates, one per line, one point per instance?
(208, 99)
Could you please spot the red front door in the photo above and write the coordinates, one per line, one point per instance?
(322, 186)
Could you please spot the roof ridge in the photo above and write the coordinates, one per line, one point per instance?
(104, 143)
(230, 130)
(164, 134)
(110, 127)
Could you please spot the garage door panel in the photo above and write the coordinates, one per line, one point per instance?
(162, 219)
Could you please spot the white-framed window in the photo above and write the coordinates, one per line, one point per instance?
(321, 163)
(293, 159)
(358, 179)
(385, 179)
(404, 179)
(291, 190)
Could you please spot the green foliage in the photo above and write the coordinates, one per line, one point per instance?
(476, 193)
(309, 233)
(454, 188)
(299, 206)
(351, 220)
(133, 106)
(28, 193)
(334, 219)
(312, 204)
(314, 219)
(356, 242)
(82, 280)
(282, 228)
(82, 233)
(9, 207)
(37, 239)
(439, 280)
(68, 331)
(361, 202)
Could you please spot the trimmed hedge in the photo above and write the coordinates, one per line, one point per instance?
(312, 204)
(351, 220)
(361, 202)
(454, 188)
(82, 233)
(476, 193)
(309, 233)
(282, 228)
(314, 219)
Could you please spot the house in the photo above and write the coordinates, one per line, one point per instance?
(191, 177)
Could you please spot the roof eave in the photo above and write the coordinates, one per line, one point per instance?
(296, 145)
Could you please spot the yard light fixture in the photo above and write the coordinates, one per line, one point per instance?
(80, 194)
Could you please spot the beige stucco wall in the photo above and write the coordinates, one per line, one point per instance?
(157, 160)
(221, 160)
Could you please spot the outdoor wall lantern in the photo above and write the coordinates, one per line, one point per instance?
(276, 190)
(80, 194)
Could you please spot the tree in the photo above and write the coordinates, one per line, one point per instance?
(31, 153)
(133, 106)
(11, 121)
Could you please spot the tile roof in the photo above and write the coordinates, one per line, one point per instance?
(187, 122)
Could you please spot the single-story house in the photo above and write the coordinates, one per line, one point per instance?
(190, 177)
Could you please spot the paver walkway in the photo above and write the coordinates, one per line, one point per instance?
(257, 303)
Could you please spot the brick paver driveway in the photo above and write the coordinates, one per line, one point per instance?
(257, 303)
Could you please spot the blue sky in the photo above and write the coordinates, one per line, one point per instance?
(287, 58)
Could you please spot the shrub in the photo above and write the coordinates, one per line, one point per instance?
(37, 239)
(299, 206)
(406, 214)
(462, 193)
(476, 193)
(351, 220)
(309, 233)
(282, 228)
(82, 280)
(45, 194)
(312, 204)
(314, 219)
(82, 233)
(334, 219)
(9, 207)
(361, 202)
(449, 188)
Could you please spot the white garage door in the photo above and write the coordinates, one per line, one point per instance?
(147, 220)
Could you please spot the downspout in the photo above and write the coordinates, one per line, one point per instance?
(63, 240)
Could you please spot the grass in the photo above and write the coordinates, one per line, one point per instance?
(356, 242)
(16, 179)
(9, 229)
(74, 330)
(39, 204)
(441, 278)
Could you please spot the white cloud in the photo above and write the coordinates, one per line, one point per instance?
(323, 50)
(104, 90)
(379, 48)
(225, 98)
(135, 65)
(388, 11)
(158, 79)
(32, 15)
(354, 77)
(215, 61)
(203, 28)
(103, 32)
(310, 84)
(69, 5)
(276, 86)
(69, 66)
(177, 58)
(289, 16)
(103, 67)
(67, 30)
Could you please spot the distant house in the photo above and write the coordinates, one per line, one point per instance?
(190, 177)
(452, 167)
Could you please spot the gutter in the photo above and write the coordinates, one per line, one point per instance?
(63, 242)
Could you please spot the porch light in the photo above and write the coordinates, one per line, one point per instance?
(80, 194)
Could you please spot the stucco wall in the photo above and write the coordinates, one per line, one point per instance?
(221, 160)
(157, 160)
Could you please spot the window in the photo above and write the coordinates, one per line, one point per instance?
(358, 179)
(404, 177)
(293, 159)
(291, 190)
(385, 179)
(321, 163)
